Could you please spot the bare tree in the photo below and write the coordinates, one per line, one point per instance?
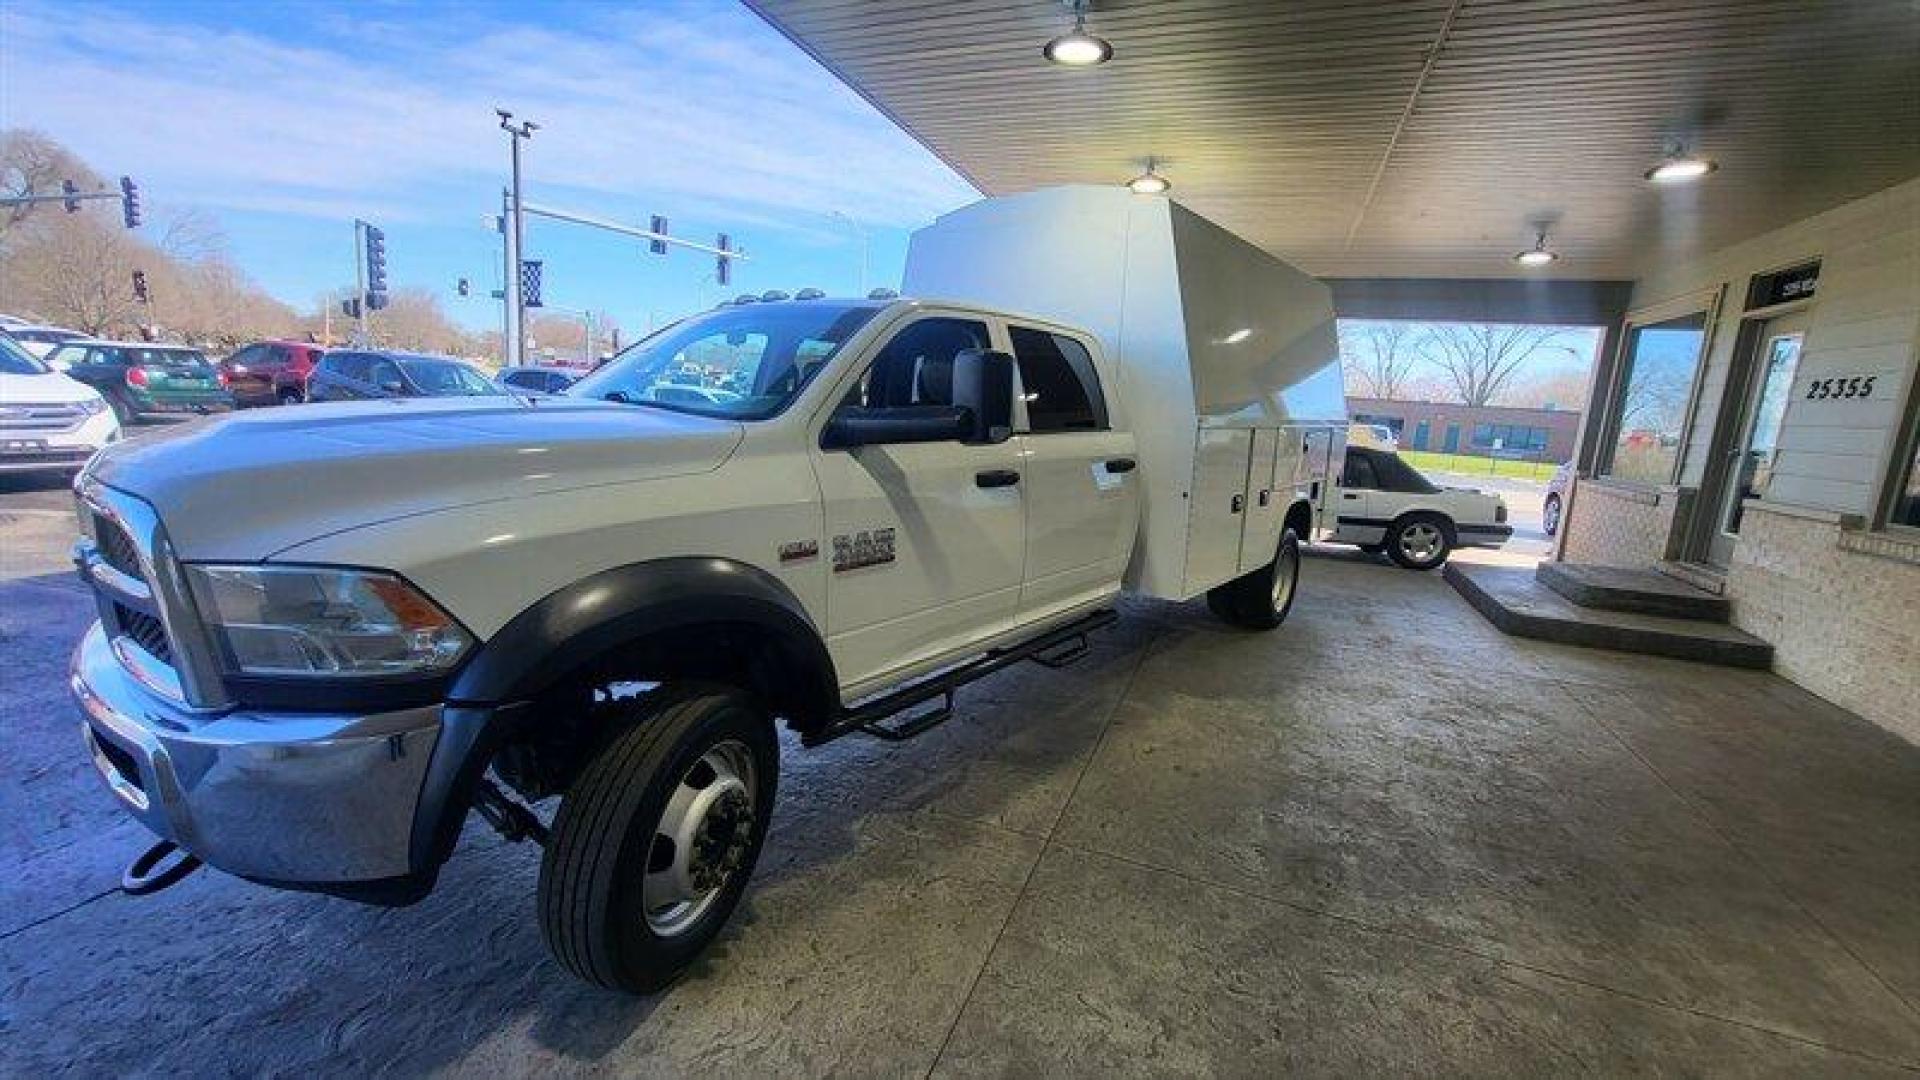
(1379, 355)
(1480, 358)
(33, 164)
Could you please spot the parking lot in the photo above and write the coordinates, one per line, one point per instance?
(1199, 850)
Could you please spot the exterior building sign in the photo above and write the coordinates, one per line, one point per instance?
(1783, 286)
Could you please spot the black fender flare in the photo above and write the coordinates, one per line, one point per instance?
(595, 615)
(489, 701)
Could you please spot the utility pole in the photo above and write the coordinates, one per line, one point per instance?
(360, 283)
(512, 218)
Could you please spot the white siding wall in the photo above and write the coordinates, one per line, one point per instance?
(1863, 321)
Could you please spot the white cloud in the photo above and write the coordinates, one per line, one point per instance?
(699, 104)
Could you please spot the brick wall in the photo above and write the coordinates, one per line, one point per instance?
(1615, 526)
(1839, 607)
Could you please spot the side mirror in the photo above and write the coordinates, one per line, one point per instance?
(983, 386)
(393, 386)
(855, 425)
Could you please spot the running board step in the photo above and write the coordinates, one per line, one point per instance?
(918, 724)
(1062, 645)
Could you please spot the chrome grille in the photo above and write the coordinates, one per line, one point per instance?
(145, 631)
(117, 548)
(41, 418)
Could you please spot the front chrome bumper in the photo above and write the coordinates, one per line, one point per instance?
(295, 799)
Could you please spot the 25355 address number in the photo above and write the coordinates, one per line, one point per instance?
(1856, 386)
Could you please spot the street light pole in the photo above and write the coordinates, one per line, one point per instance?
(515, 302)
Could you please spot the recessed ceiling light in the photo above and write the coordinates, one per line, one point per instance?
(1237, 336)
(1678, 169)
(1538, 255)
(1077, 47)
(1149, 182)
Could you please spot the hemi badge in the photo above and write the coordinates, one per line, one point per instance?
(797, 550)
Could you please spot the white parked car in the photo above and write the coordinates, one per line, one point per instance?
(41, 340)
(690, 394)
(1383, 504)
(47, 420)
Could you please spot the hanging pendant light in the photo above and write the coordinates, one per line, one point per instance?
(1078, 47)
(1149, 182)
(1538, 255)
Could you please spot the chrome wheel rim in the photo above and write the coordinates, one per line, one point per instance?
(701, 840)
(1286, 570)
(1420, 541)
(1552, 516)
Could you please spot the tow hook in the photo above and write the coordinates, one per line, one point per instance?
(153, 871)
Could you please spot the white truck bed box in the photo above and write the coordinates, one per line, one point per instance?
(1228, 364)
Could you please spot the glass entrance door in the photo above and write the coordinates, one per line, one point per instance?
(1753, 454)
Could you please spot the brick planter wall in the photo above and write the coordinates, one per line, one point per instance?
(1841, 608)
(1616, 526)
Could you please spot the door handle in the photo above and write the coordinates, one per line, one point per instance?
(1266, 496)
(1239, 503)
(996, 478)
(1120, 465)
(1348, 495)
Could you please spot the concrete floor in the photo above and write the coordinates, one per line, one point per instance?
(1384, 840)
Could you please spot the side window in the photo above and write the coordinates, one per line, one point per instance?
(246, 357)
(382, 372)
(278, 354)
(1359, 474)
(350, 365)
(1058, 381)
(523, 380)
(916, 367)
(105, 356)
(557, 382)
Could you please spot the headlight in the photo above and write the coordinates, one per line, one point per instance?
(94, 405)
(293, 621)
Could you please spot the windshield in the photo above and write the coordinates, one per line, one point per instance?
(444, 378)
(742, 363)
(15, 360)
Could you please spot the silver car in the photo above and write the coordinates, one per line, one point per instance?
(1556, 499)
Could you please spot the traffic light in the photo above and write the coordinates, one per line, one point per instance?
(376, 268)
(140, 286)
(72, 192)
(351, 307)
(723, 265)
(658, 245)
(463, 287)
(130, 202)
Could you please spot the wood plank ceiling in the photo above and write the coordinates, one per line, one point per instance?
(1415, 138)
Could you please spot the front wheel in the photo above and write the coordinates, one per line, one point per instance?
(1550, 515)
(1421, 541)
(656, 839)
(1261, 600)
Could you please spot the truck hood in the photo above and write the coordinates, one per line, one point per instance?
(51, 388)
(254, 483)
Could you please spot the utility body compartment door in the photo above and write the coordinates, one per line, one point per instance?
(1216, 506)
(1265, 507)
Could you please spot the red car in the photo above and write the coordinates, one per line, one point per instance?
(271, 372)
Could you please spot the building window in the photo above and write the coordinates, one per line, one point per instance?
(1648, 414)
(1509, 438)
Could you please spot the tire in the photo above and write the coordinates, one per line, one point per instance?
(701, 754)
(289, 396)
(1261, 600)
(1550, 515)
(1420, 541)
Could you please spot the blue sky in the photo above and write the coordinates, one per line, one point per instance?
(286, 120)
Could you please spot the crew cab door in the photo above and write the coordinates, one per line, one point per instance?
(924, 541)
(1357, 519)
(1081, 477)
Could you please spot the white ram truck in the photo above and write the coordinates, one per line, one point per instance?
(327, 634)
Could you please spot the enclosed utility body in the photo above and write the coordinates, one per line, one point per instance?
(1227, 357)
